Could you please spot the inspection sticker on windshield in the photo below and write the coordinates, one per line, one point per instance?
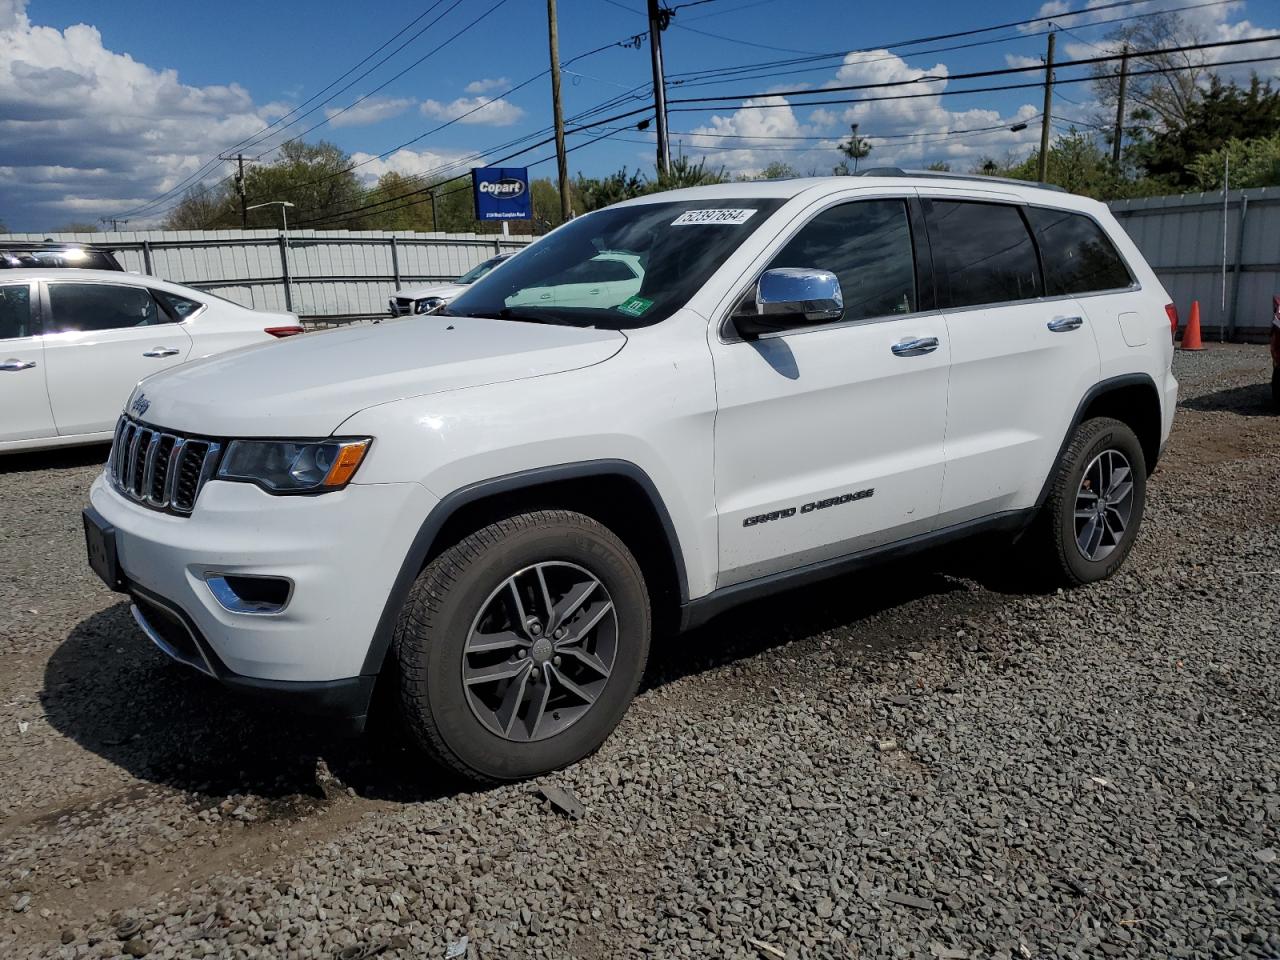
(635, 306)
(731, 217)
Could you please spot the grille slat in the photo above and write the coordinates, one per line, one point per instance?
(160, 469)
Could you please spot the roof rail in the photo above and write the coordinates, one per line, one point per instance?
(948, 175)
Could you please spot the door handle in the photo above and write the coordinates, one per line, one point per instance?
(915, 346)
(15, 364)
(161, 352)
(1063, 324)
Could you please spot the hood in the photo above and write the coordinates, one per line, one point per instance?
(306, 386)
(446, 291)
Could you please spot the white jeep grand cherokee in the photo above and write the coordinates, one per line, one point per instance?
(490, 507)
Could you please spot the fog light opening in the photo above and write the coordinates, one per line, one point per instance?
(250, 594)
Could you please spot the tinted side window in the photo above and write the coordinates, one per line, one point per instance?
(181, 307)
(867, 245)
(1078, 256)
(984, 253)
(101, 306)
(15, 311)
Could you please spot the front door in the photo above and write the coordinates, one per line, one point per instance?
(1020, 361)
(24, 401)
(104, 338)
(829, 439)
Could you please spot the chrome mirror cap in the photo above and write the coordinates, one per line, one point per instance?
(788, 297)
(805, 293)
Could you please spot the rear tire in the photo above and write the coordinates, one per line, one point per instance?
(1275, 389)
(1096, 501)
(512, 663)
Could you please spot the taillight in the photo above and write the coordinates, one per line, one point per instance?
(285, 331)
(1172, 311)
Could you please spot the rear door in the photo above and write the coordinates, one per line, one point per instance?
(24, 400)
(829, 438)
(1020, 360)
(102, 339)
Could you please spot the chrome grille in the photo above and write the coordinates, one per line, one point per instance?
(160, 469)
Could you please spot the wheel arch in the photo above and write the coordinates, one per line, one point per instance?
(617, 493)
(1131, 398)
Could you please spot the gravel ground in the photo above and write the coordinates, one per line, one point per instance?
(910, 763)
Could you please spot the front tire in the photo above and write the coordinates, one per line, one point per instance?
(1095, 504)
(521, 646)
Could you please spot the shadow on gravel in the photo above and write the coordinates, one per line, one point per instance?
(1251, 401)
(62, 459)
(110, 691)
(113, 693)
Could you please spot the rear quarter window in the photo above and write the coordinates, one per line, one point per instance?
(1078, 255)
(984, 252)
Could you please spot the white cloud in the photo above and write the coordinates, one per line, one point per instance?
(744, 141)
(480, 109)
(486, 84)
(97, 129)
(411, 163)
(366, 112)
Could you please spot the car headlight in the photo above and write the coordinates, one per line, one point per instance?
(428, 304)
(293, 466)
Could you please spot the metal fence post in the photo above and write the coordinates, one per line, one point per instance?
(146, 257)
(395, 262)
(284, 267)
(1236, 268)
(497, 247)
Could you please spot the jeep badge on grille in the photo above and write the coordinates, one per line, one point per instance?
(139, 405)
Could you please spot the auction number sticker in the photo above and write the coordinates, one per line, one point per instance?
(731, 217)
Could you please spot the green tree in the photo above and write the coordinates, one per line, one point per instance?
(204, 208)
(1254, 163)
(596, 192)
(1223, 112)
(77, 226)
(939, 166)
(855, 148)
(777, 170)
(314, 177)
(683, 172)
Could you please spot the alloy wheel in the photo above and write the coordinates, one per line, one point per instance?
(540, 651)
(1104, 505)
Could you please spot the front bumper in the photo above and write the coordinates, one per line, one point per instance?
(341, 551)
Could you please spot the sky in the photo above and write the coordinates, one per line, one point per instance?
(112, 109)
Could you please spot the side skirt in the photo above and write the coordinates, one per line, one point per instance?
(699, 611)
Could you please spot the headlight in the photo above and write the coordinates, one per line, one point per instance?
(428, 305)
(289, 466)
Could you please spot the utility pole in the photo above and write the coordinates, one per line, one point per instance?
(1124, 79)
(658, 20)
(432, 195)
(1043, 174)
(562, 162)
(244, 213)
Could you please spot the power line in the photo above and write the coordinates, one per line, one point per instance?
(939, 93)
(976, 74)
(437, 48)
(241, 143)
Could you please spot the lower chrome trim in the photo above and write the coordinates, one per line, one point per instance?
(202, 664)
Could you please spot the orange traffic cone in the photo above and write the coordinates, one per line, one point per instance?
(1191, 335)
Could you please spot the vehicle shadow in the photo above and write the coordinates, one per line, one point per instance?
(1250, 401)
(59, 459)
(110, 691)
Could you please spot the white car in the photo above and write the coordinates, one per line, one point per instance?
(74, 343)
(488, 508)
(416, 300)
(603, 281)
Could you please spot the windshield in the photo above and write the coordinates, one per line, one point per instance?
(480, 269)
(618, 268)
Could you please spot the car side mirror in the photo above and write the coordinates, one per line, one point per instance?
(790, 297)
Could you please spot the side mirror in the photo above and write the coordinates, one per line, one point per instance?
(790, 297)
